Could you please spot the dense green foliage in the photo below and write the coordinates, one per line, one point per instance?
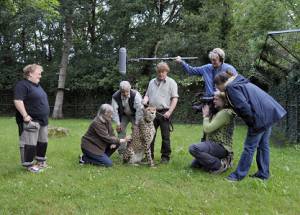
(68, 188)
(32, 31)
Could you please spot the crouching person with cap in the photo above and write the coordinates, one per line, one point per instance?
(100, 142)
(32, 112)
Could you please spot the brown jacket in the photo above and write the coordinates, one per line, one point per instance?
(99, 135)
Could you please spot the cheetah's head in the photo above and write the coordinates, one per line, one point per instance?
(149, 113)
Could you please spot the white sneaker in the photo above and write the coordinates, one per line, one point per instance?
(34, 169)
(42, 164)
(81, 161)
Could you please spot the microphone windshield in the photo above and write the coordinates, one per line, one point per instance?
(122, 61)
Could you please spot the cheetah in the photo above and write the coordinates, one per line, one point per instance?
(142, 137)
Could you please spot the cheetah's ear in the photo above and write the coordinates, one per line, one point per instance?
(144, 110)
(145, 106)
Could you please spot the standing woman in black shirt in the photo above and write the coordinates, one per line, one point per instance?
(32, 111)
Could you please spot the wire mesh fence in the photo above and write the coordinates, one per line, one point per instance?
(85, 104)
(77, 104)
(279, 65)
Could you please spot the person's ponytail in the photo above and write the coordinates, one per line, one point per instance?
(222, 77)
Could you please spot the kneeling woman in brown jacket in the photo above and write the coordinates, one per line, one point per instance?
(100, 142)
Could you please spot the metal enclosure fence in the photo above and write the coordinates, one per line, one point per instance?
(279, 67)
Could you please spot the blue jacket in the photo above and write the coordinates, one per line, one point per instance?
(257, 108)
(208, 72)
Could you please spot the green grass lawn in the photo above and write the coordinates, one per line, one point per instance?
(68, 188)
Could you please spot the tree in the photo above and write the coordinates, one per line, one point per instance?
(67, 13)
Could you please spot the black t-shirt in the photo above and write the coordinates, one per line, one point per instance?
(35, 101)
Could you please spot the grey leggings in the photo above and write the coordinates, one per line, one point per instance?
(207, 155)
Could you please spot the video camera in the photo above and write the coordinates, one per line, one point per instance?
(200, 101)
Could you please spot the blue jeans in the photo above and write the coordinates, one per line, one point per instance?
(259, 141)
(101, 160)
